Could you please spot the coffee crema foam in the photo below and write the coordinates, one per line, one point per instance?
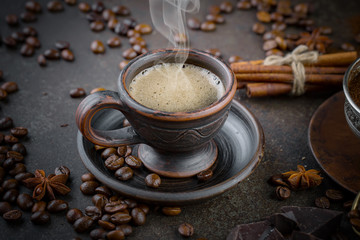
(174, 87)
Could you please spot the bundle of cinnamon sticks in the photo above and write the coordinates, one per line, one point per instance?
(260, 80)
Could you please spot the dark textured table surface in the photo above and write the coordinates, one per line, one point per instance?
(285, 119)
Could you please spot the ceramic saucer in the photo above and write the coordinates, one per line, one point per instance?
(240, 148)
(334, 145)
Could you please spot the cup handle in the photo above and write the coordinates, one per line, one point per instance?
(111, 138)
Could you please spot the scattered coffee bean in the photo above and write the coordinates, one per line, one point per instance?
(120, 218)
(194, 23)
(9, 42)
(234, 58)
(281, 43)
(70, 2)
(33, 6)
(12, 20)
(4, 207)
(104, 190)
(8, 164)
(282, 192)
(98, 7)
(121, 29)
(274, 51)
(41, 60)
(97, 47)
(124, 150)
(19, 132)
(226, 7)
(57, 205)
(130, 22)
(114, 162)
(108, 152)
(18, 157)
(276, 17)
(258, 28)
(83, 224)
(77, 93)
(55, 6)
(125, 228)
(115, 235)
(121, 10)
(12, 216)
(112, 23)
(9, 87)
(67, 55)
(99, 200)
(25, 201)
(243, 5)
(143, 28)
(40, 217)
(92, 16)
(114, 42)
(143, 207)
(62, 170)
(28, 17)
(133, 162)
(124, 173)
(73, 214)
(137, 40)
(97, 26)
(27, 50)
(356, 223)
(106, 225)
(9, 139)
(98, 233)
(208, 26)
(214, 9)
(52, 54)
(18, 168)
(39, 206)
(18, 36)
(61, 45)
(219, 19)
(20, 177)
(348, 204)
(122, 64)
(106, 217)
(214, 51)
(94, 212)
(114, 207)
(5, 122)
(10, 184)
(347, 47)
(132, 33)
(108, 14)
(334, 194)
(88, 187)
(84, 7)
(88, 177)
(29, 31)
(186, 230)
(325, 30)
(263, 16)
(171, 211)
(279, 26)
(269, 44)
(153, 180)
(138, 216)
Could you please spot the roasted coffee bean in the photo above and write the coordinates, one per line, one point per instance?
(153, 180)
(334, 194)
(87, 177)
(114, 42)
(131, 203)
(99, 200)
(108, 14)
(130, 22)
(4, 149)
(94, 212)
(9, 139)
(123, 64)
(137, 40)
(219, 19)
(11, 195)
(306, 22)
(73, 214)
(132, 33)
(325, 30)
(98, 233)
(281, 43)
(98, 147)
(19, 147)
(84, 7)
(204, 175)
(124, 173)
(40, 217)
(129, 54)
(106, 217)
(214, 51)
(226, 7)
(276, 17)
(18, 36)
(99, 89)
(115, 235)
(124, 150)
(12, 216)
(208, 26)
(29, 31)
(269, 44)
(348, 204)
(83, 224)
(12, 20)
(9, 87)
(194, 23)
(103, 190)
(125, 228)
(234, 58)
(138, 216)
(52, 54)
(354, 214)
(282, 192)
(263, 16)
(4, 207)
(171, 211)
(28, 17)
(62, 170)
(114, 207)
(133, 162)
(88, 187)
(55, 6)
(186, 230)
(97, 47)
(67, 55)
(108, 152)
(77, 93)
(9, 42)
(243, 5)
(57, 205)
(97, 26)
(98, 7)
(121, 29)
(112, 23)
(39, 206)
(41, 60)
(6, 122)
(356, 223)
(143, 207)
(143, 28)
(3, 94)
(91, 17)
(347, 47)
(19, 132)
(9, 164)
(18, 168)
(18, 157)
(20, 177)
(70, 2)
(274, 51)
(214, 9)
(10, 184)
(279, 26)
(25, 201)
(114, 198)
(106, 225)
(121, 10)
(120, 218)
(258, 28)
(291, 20)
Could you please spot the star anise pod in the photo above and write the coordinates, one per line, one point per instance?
(302, 179)
(315, 41)
(42, 184)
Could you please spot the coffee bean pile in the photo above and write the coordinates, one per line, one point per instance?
(331, 195)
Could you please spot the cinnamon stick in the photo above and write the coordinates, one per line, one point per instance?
(317, 79)
(250, 68)
(274, 89)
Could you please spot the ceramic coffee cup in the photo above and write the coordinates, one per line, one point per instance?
(166, 132)
(352, 111)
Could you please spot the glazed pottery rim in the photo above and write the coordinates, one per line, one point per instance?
(346, 84)
(188, 196)
(225, 100)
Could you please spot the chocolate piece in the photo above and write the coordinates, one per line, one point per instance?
(258, 230)
(303, 236)
(285, 223)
